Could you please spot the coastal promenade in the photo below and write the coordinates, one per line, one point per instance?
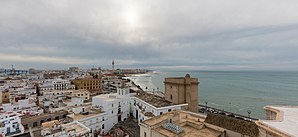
(207, 109)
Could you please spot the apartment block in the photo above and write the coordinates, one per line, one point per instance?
(94, 85)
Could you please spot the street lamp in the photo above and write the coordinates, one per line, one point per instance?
(248, 112)
(206, 103)
(230, 106)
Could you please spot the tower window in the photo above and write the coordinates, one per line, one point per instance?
(171, 97)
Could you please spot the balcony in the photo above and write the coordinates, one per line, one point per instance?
(13, 133)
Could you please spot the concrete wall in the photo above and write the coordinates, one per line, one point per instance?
(35, 121)
(145, 131)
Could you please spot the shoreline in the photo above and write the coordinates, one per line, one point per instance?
(144, 81)
(201, 106)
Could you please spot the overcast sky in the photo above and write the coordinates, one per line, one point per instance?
(154, 34)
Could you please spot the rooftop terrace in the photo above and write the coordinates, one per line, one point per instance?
(88, 113)
(78, 127)
(191, 124)
(154, 100)
(287, 124)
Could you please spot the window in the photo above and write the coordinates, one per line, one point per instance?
(145, 135)
(26, 126)
(103, 126)
(171, 96)
(160, 113)
(112, 112)
(35, 124)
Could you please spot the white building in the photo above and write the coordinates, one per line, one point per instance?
(10, 124)
(61, 84)
(119, 106)
(56, 84)
(57, 93)
(91, 117)
(145, 106)
(21, 104)
(281, 121)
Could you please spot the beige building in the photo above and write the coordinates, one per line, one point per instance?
(5, 97)
(94, 85)
(37, 120)
(82, 93)
(57, 129)
(183, 90)
(179, 124)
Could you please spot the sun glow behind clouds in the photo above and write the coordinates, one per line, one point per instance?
(131, 16)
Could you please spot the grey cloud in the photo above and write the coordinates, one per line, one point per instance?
(211, 34)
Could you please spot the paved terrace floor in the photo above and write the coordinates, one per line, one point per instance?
(154, 100)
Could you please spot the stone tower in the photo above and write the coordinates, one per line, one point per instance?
(182, 90)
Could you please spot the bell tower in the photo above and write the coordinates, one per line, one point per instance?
(183, 90)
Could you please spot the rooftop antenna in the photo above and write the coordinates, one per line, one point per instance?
(12, 70)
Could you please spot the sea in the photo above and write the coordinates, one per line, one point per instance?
(234, 91)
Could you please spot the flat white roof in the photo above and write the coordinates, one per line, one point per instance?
(108, 97)
(290, 120)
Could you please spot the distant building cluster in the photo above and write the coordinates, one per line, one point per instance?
(96, 102)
